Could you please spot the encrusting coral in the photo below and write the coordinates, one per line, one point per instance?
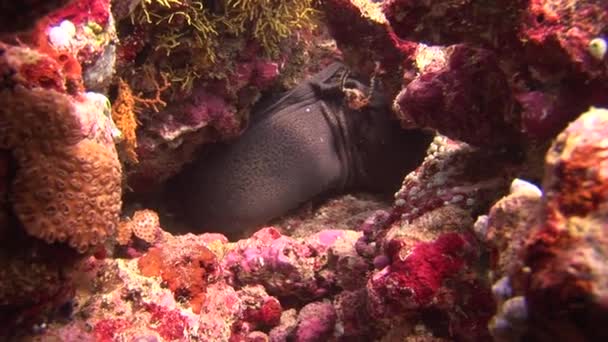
(68, 184)
(67, 188)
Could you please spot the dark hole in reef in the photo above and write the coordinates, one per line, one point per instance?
(540, 18)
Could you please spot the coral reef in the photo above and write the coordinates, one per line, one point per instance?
(500, 232)
(199, 67)
(465, 84)
(433, 52)
(68, 185)
(144, 225)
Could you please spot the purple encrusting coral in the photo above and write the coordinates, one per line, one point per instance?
(499, 234)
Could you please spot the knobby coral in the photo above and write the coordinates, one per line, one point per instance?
(67, 187)
(145, 225)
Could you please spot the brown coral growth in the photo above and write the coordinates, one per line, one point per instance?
(67, 188)
(123, 114)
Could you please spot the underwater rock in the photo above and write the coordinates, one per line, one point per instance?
(462, 93)
(553, 276)
(567, 255)
(364, 35)
(433, 268)
(36, 282)
(558, 39)
(315, 322)
(454, 173)
(540, 59)
(508, 224)
(81, 32)
(186, 267)
(308, 268)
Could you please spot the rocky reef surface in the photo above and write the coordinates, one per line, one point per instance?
(499, 234)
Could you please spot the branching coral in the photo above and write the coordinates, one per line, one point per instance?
(189, 32)
(185, 22)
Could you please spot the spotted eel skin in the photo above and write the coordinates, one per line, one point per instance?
(304, 145)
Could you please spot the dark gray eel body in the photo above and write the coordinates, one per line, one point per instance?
(305, 145)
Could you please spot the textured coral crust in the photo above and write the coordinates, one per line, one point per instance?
(417, 274)
(66, 189)
(266, 315)
(107, 329)
(31, 68)
(69, 67)
(170, 324)
(450, 22)
(185, 275)
(315, 322)
(453, 173)
(360, 26)
(567, 257)
(577, 167)
(508, 224)
(468, 98)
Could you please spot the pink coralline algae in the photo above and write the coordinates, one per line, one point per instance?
(212, 111)
(292, 267)
(315, 322)
(453, 173)
(557, 35)
(201, 109)
(480, 89)
(506, 226)
(433, 263)
(465, 84)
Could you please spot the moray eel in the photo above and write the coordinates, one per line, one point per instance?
(306, 144)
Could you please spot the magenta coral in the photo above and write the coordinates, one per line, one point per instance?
(170, 324)
(416, 274)
(467, 97)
